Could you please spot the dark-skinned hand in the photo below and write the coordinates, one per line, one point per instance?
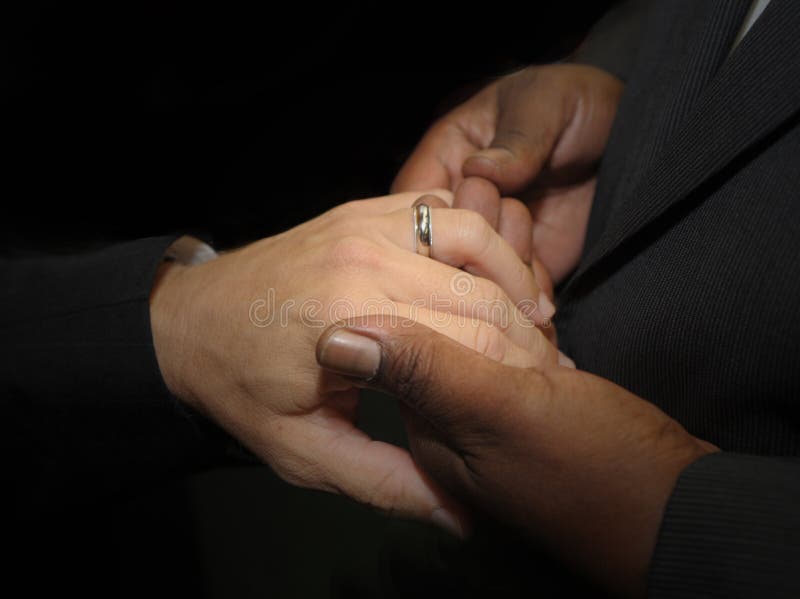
(576, 462)
(538, 135)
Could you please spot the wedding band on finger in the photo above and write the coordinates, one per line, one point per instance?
(422, 229)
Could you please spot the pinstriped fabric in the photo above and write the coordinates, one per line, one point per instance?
(707, 505)
(689, 295)
(714, 27)
(676, 60)
(755, 90)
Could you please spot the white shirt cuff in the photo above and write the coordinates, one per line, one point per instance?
(190, 251)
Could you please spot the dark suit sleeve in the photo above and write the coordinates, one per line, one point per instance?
(613, 41)
(84, 408)
(731, 529)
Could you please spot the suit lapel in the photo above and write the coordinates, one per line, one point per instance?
(705, 31)
(751, 94)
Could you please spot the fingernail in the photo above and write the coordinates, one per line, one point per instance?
(546, 307)
(565, 361)
(495, 155)
(351, 354)
(444, 519)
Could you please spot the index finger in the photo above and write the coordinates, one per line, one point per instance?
(435, 162)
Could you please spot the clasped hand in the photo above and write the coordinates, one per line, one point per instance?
(254, 373)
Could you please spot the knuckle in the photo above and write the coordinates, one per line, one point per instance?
(471, 223)
(347, 218)
(522, 273)
(441, 193)
(345, 208)
(473, 229)
(410, 373)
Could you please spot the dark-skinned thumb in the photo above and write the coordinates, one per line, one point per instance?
(526, 132)
(452, 386)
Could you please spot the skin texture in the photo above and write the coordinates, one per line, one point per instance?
(220, 353)
(538, 135)
(578, 463)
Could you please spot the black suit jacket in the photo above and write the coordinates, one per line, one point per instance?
(84, 412)
(688, 288)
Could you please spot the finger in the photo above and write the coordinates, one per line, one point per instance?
(456, 389)
(397, 201)
(430, 200)
(374, 473)
(516, 227)
(546, 285)
(428, 448)
(528, 127)
(395, 275)
(485, 338)
(435, 162)
(481, 196)
(463, 239)
(439, 156)
(487, 333)
(453, 293)
(542, 277)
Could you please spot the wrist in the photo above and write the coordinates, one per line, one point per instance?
(166, 323)
(636, 569)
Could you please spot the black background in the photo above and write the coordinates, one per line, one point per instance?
(129, 119)
(122, 120)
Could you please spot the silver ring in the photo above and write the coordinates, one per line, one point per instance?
(422, 229)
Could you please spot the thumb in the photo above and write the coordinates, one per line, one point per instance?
(527, 129)
(453, 387)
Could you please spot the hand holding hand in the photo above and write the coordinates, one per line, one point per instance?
(235, 337)
(575, 461)
(537, 134)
